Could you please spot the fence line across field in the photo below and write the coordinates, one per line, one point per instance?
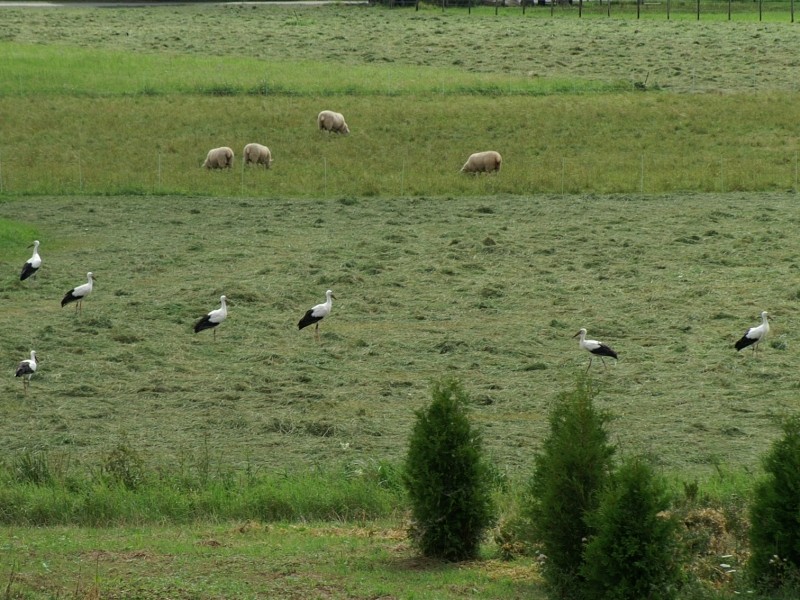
(640, 7)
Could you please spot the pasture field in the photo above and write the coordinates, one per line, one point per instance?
(488, 289)
(679, 55)
(121, 101)
(611, 129)
(401, 152)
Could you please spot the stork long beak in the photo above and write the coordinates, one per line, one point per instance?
(577, 334)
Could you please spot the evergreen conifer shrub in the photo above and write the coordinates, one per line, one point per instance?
(633, 554)
(570, 471)
(775, 516)
(447, 478)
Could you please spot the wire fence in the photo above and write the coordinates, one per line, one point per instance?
(773, 10)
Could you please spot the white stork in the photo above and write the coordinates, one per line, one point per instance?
(754, 335)
(594, 348)
(26, 369)
(77, 294)
(214, 318)
(315, 314)
(32, 264)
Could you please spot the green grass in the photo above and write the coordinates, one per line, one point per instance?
(248, 43)
(601, 143)
(245, 560)
(220, 555)
(124, 117)
(606, 126)
(97, 498)
(87, 72)
(14, 234)
(487, 289)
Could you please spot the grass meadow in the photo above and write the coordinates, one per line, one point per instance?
(138, 99)
(649, 194)
(488, 289)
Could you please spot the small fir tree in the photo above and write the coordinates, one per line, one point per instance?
(634, 552)
(775, 515)
(447, 478)
(570, 471)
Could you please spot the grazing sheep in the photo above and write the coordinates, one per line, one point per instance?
(256, 153)
(219, 158)
(483, 162)
(332, 121)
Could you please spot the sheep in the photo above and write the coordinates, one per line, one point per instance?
(332, 121)
(219, 158)
(481, 162)
(258, 154)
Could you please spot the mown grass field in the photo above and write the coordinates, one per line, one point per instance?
(488, 289)
(595, 221)
(680, 56)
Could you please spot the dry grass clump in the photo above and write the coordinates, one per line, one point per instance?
(716, 542)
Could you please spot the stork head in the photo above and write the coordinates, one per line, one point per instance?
(91, 276)
(35, 244)
(329, 294)
(581, 332)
